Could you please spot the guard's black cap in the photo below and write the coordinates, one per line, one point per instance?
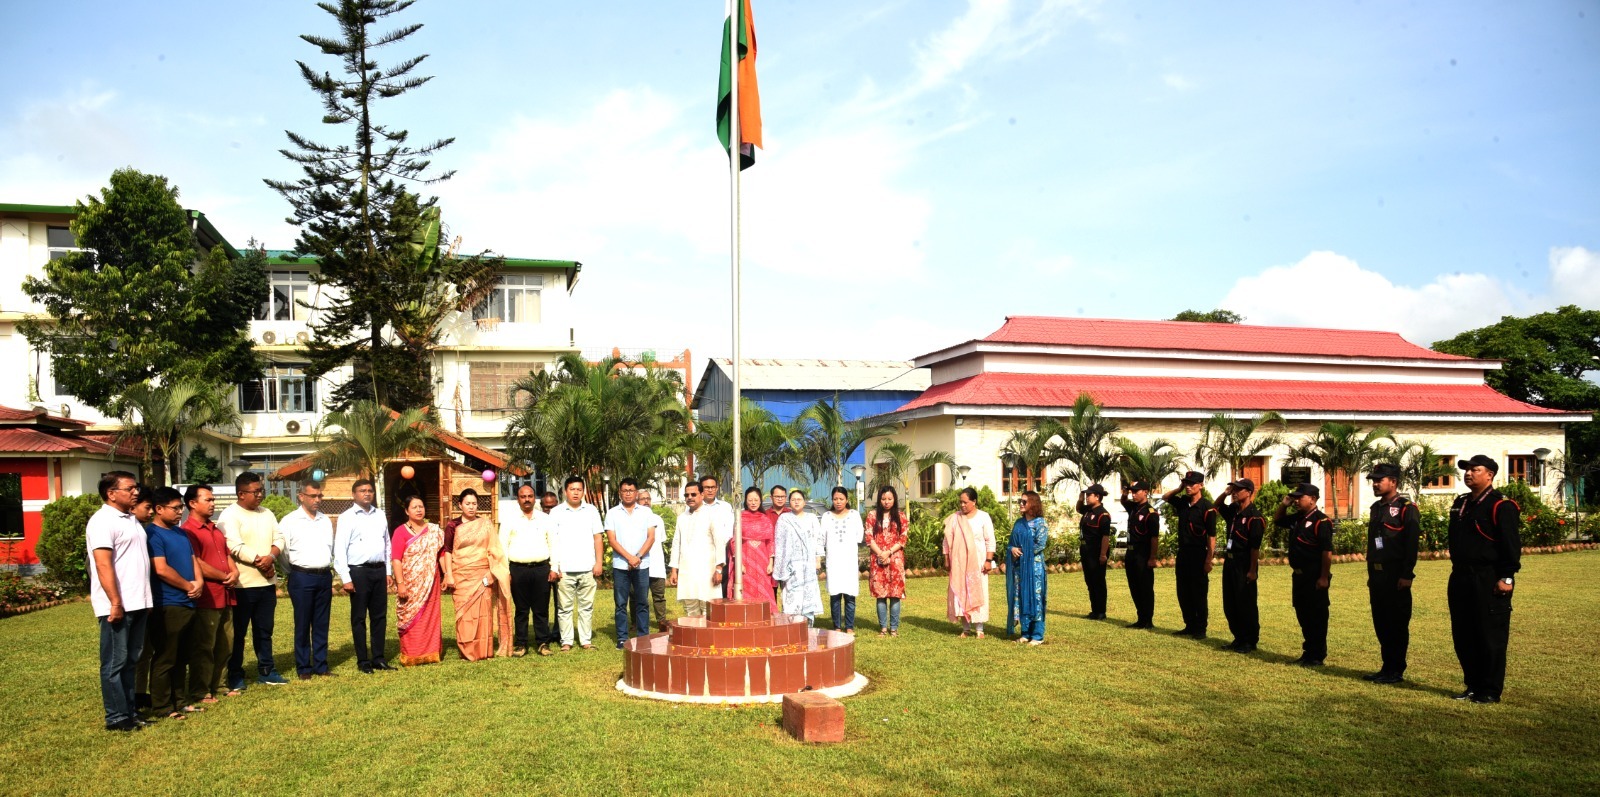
(1384, 470)
(1243, 484)
(1478, 459)
(1137, 486)
(1306, 489)
(1194, 477)
(1095, 489)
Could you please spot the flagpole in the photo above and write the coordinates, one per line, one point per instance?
(734, 154)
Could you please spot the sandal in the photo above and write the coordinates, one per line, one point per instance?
(192, 709)
(233, 693)
(894, 633)
(208, 699)
(980, 635)
(177, 715)
(963, 634)
(883, 632)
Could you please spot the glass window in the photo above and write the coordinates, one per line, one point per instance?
(1446, 481)
(1523, 468)
(60, 240)
(288, 294)
(283, 388)
(514, 301)
(925, 482)
(1015, 481)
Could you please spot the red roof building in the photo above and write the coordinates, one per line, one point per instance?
(1162, 379)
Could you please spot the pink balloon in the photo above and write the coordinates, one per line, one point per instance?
(488, 475)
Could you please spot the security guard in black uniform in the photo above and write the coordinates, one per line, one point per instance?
(1485, 554)
(1394, 527)
(1242, 556)
(1141, 560)
(1311, 561)
(1197, 543)
(1094, 550)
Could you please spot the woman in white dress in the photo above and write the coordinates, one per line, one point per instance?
(797, 559)
(842, 536)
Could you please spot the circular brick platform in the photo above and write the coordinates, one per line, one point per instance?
(739, 653)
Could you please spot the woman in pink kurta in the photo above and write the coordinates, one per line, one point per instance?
(416, 547)
(969, 553)
(759, 539)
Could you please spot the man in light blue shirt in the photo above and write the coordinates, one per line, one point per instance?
(361, 560)
(631, 531)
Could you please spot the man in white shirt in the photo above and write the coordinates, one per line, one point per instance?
(658, 567)
(576, 556)
(308, 545)
(631, 531)
(527, 539)
(121, 594)
(361, 560)
(255, 544)
(697, 551)
(721, 514)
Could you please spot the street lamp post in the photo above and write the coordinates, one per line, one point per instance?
(860, 471)
(962, 471)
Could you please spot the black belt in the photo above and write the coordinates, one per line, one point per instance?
(311, 570)
(367, 564)
(531, 564)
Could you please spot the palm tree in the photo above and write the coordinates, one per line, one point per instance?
(1227, 440)
(1343, 451)
(163, 416)
(830, 439)
(1150, 463)
(1419, 463)
(1033, 450)
(1088, 450)
(895, 464)
(360, 439)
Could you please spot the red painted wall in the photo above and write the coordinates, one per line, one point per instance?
(35, 487)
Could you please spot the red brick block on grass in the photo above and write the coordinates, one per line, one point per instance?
(813, 717)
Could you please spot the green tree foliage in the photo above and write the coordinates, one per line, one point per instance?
(1149, 463)
(1343, 450)
(160, 417)
(1033, 449)
(765, 443)
(1547, 359)
(895, 464)
(61, 547)
(612, 418)
(280, 506)
(830, 439)
(1209, 316)
(201, 468)
(1087, 450)
(1419, 463)
(360, 439)
(374, 240)
(1227, 441)
(139, 301)
(925, 536)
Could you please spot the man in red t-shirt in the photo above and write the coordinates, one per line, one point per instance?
(213, 623)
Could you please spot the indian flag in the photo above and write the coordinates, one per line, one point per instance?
(749, 123)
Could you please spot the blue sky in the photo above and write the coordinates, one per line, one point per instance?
(931, 167)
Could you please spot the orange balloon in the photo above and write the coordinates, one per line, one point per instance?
(407, 472)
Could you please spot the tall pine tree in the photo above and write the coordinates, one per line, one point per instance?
(369, 233)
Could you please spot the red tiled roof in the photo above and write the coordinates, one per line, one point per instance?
(1217, 395)
(1190, 336)
(32, 441)
(10, 415)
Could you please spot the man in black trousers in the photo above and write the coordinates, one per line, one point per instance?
(1094, 550)
(1140, 561)
(361, 560)
(1242, 557)
(1197, 543)
(1311, 563)
(1393, 528)
(1485, 554)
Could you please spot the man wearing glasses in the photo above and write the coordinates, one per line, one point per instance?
(120, 592)
(308, 545)
(255, 543)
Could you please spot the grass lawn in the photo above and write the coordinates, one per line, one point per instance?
(1099, 709)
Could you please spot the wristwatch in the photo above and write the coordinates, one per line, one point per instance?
(1506, 581)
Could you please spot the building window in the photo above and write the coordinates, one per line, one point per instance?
(284, 388)
(61, 241)
(881, 477)
(1017, 480)
(286, 291)
(926, 482)
(1523, 468)
(1445, 482)
(490, 384)
(510, 483)
(514, 301)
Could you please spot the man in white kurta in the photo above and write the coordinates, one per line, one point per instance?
(697, 550)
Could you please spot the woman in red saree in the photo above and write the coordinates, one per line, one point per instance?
(759, 535)
(416, 547)
(475, 568)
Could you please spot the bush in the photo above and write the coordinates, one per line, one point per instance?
(1433, 512)
(669, 526)
(63, 544)
(1268, 497)
(201, 468)
(925, 538)
(279, 506)
(17, 592)
(1350, 536)
(1541, 524)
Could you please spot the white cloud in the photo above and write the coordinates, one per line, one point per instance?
(1326, 289)
(1575, 276)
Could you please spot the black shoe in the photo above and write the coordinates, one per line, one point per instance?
(1485, 698)
(1183, 632)
(382, 665)
(1198, 635)
(1099, 615)
(305, 676)
(1090, 616)
(1465, 695)
(1389, 678)
(1373, 676)
(1245, 649)
(125, 726)
(1140, 624)
(366, 668)
(1311, 663)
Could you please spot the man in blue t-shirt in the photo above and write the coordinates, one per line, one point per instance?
(176, 582)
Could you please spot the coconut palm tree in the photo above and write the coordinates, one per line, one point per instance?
(1419, 463)
(1343, 451)
(1088, 450)
(1034, 449)
(765, 442)
(894, 464)
(1150, 463)
(1230, 441)
(360, 439)
(163, 416)
(830, 439)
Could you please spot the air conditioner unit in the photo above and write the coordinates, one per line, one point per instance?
(269, 338)
(302, 337)
(293, 427)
